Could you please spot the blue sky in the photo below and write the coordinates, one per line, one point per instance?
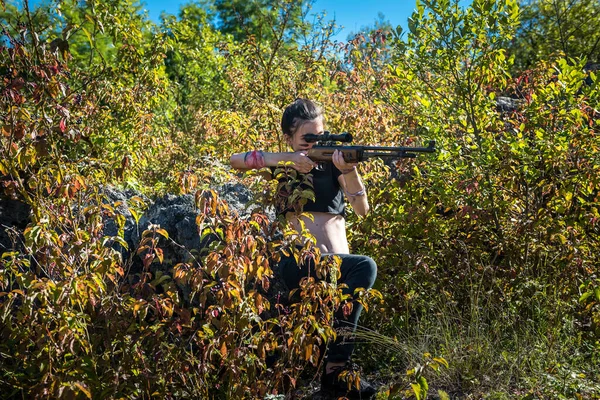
(351, 14)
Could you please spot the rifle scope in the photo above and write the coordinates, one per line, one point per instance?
(328, 137)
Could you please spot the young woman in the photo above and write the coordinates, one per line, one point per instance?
(333, 183)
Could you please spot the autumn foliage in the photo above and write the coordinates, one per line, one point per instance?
(488, 281)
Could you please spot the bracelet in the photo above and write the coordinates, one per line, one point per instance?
(361, 192)
(348, 171)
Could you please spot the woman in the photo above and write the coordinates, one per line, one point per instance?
(330, 184)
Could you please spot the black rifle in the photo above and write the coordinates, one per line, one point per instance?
(326, 145)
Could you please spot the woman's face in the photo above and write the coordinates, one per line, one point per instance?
(297, 142)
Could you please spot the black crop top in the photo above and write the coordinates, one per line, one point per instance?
(329, 196)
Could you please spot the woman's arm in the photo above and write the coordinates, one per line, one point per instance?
(351, 184)
(259, 159)
(356, 193)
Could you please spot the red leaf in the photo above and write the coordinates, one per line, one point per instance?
(347, 309)
(63, 125)
(148, 258)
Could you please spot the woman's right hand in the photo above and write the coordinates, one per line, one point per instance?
(301, 162)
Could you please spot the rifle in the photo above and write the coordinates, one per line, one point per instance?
(326, 145)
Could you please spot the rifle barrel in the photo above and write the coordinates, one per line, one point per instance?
(386, 154)
(401, 149)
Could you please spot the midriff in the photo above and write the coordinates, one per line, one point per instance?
(328, 229)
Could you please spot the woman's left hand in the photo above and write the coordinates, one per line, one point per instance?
(341, 164)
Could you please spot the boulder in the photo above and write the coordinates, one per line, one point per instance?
(177, 215)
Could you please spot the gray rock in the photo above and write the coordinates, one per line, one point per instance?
(176, 215)
(14, 217)
(114, 196)
(508, 104)
(241, 200)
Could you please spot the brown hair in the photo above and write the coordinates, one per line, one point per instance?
(300, 111)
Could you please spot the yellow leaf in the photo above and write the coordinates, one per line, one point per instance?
(417, 390)
(135, 215)
(84, 389)
(442, 361)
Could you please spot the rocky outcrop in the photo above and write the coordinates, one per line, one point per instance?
(175, 214)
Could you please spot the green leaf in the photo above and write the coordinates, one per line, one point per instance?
(417, 390)
(10, 254)
(585, 296)
(120, 220)
(412, 26)
(98, 281)
(117, 239)
(443, 395)
(160, 280)
(89, 37)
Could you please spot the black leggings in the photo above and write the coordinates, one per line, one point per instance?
(356, 272)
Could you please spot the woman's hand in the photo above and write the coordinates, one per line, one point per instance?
(302, 163)
(341, 164)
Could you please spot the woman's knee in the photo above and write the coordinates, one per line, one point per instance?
(369, 269)
(358, 271)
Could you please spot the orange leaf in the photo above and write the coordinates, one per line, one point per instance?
(307, 352)
(159, 254)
